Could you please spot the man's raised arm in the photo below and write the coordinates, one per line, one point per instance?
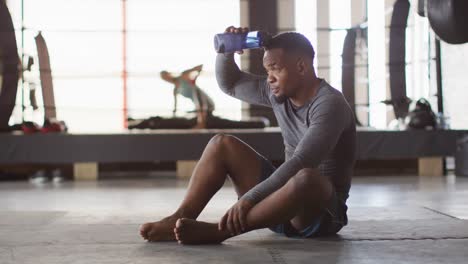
(244, 86)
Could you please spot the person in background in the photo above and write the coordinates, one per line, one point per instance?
(185, 85)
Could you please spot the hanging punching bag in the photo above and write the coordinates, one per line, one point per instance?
(45, 74)
(449, 19)
(397, 53)
(348, 67)
(9, 68)
(348, 70)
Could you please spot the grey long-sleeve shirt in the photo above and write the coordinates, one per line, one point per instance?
(320, 134)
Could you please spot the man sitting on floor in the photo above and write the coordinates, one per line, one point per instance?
(305, 196)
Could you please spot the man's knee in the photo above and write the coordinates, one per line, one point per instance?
(309, 181)
(307, 177)
(222, 141)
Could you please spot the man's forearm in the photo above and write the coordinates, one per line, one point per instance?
(278, 179)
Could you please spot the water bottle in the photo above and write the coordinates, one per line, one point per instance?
(231, 42)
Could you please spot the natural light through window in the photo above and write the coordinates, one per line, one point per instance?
(306, 19)
(377, 59)
(85, 44)
(340, 19)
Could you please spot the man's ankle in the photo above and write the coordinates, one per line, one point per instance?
(183, 213)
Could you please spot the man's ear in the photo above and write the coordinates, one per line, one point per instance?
(301, 66)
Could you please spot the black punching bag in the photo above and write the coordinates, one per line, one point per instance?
(348, 67)
(449, 19)
(397, 53)
(9, 68)
(348, 70)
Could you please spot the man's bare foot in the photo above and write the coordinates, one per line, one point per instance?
(189, 231)
(159, 231)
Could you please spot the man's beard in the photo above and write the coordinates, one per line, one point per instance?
(280, 98)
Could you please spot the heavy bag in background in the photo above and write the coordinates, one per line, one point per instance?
(51, 124)
(348, 70)
(449, 19)
(9, 61)
(45, 74)
(461, 157)
(348, 67)
(397, 58)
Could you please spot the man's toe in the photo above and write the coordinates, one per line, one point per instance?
(144, 228)
(179, 223)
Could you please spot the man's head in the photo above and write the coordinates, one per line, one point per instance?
(288, 60)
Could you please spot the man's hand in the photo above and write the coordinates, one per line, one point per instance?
(239, 30)
(235, 218)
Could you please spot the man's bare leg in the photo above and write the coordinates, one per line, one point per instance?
(299, 201)
(223, 155)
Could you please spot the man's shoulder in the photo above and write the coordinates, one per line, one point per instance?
(330, 99)
(328, 94)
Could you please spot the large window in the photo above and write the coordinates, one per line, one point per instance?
(335, 16)
(420, 81)
(174, 36)
(86, 46)
(377, 58)
(306, 19)
(340, 19)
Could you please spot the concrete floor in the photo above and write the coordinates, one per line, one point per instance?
(392, 220)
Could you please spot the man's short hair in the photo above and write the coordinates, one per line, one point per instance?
(292, 42)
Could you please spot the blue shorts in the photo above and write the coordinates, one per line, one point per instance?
(330, 221)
